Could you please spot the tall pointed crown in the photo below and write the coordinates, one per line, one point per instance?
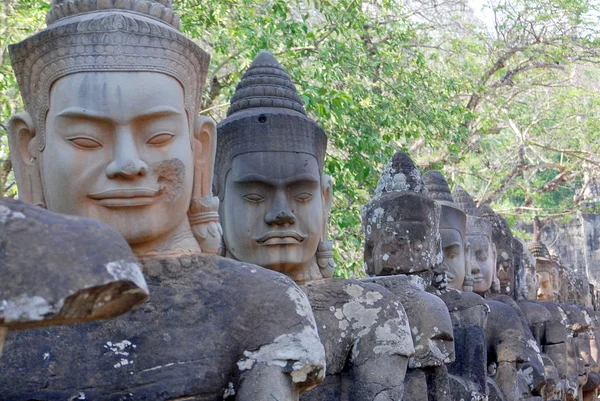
(399, 175)
(266, 115)
(464, 201)
(439, 191)
(539, 250)
(106, 35)
(438, 187)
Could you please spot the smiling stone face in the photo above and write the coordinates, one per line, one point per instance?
(275, 210)
(118, 150)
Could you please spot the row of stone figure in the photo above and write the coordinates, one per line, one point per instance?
(111, 89)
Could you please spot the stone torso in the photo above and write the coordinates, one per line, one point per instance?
(357, 322)
(208, 321)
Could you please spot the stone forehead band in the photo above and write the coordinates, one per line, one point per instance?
(106, 40)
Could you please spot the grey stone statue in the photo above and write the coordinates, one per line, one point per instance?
(556, 336)
(403, 253)
(468, 374)
(275, 200)
(511, 349)
(77, 270)
(112, 91)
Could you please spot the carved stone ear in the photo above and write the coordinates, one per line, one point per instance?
(495, 253)
(203, 213)
(24, 154)
(324, 255)
(205, 149)
(327, 191)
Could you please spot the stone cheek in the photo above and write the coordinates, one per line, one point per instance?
(209, 320)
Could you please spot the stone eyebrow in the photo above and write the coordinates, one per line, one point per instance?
(248, 178)
(81, 112)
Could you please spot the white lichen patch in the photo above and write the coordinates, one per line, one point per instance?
(7, 215)
(302, 351)
(301, 302)
(127, 271)
(26, 308)
(229, 391)
(122, 350)
(393, 338)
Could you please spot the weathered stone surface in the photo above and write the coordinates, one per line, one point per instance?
(537, 316)
(453, 228)
(401, 227)
(503, 239)
(430, 323)
(366, 337)
(468, 373)
(59, 269)
(209, 323)
(513, 349)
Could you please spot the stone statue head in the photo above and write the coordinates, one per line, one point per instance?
(532, 284)
(111, 132)
(546, 271)
(453, 228)
(479, 236)
(275, 199)
(503, 238)
(401, 223)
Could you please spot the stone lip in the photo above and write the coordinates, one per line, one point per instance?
(59, 269)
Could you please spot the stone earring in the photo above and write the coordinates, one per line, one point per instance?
(204, 219)
(468, 283)
(325, 259)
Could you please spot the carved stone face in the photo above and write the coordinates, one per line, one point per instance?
(118, 150)
(454, 257)
(275, 209)
(545, 289)
(483, 262)
(532, 284)
(402, 234)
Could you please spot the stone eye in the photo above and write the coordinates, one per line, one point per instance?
(303, 197)
(160, 139)
(86, 143)
(254, 198)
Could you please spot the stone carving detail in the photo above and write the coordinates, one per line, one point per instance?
(123, 67)
(403, 248)
(275, 201)
(453, 228)
(96, 276)
(483, 253)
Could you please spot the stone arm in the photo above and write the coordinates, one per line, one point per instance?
(264, 382)
(379, 358)
(512, 347)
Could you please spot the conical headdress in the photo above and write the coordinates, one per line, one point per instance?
(439, 191)
(399, 175)
(538, 249)
(106, 35)
(464, 201)
(266, 115)
(437, 186)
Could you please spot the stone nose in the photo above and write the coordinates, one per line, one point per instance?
(126, 161)
(284, 217)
